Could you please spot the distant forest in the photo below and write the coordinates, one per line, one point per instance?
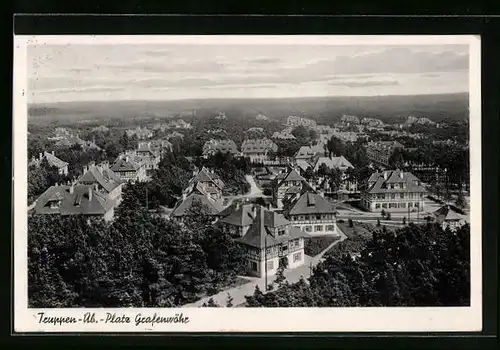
(325, 110)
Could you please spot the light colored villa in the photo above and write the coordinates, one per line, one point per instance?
(295, 121)
(129, 167)
(393, 191)
(270, 238)
(258, 150)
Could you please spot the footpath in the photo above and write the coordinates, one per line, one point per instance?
(292, 275)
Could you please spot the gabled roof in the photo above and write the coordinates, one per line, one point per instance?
(332, 163)
(293, 175)
(259, 235)
(242, 215)
(54, 161)
(126, 164)
(273, 219)
(146, 148)
(446, 213)
(379, 182)
(74, 203)
(104, 177)
(184, 205)
(223, 146)
(205, 175)
(311, 203)
(306, 152)
(258, 146)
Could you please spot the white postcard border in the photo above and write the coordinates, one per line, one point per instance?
(427, 319)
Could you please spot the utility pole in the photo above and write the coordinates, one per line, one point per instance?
(265, 261)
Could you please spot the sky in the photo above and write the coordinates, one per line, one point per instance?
(90, 72)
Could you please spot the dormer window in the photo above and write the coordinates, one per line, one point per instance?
(281, 231)
(55, 204)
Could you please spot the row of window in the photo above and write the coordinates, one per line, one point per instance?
(407, 195)
(312, 217)
(396, 205)
(319, 228)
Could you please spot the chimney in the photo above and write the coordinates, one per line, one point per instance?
(401, 175)
(85, 169)
(40, 155)
(90, 193)
(237, 206)
(254, 211)
(297, 196)
(184, 196)
(71, 189)
(52, 152)
(386, 174)
(269, 206)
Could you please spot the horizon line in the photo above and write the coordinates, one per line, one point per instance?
(245, 98)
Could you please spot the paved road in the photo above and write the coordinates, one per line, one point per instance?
(292, 276)
(255, 191)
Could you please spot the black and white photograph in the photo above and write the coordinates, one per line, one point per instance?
(289, 181)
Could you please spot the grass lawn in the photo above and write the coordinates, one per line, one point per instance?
(359, 228)
(315, 245)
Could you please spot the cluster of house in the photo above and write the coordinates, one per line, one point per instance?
(268, 233)
(294, 121)
(418, 120)
(173, 124)
(136, 165)
(64, 138)
(372, 122)
(97, 192)
(140, 133)
(258, 150)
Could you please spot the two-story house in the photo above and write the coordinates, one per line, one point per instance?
(149, 156)
(52, 160)
(213, 146)
(269, 239)
(287, 185)
(209, 181)
(104, 179)
(130, 168)
(312, 213)
(195, 201)
(75, 199)
(258, 150)
(237, 219)
(393, 191)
